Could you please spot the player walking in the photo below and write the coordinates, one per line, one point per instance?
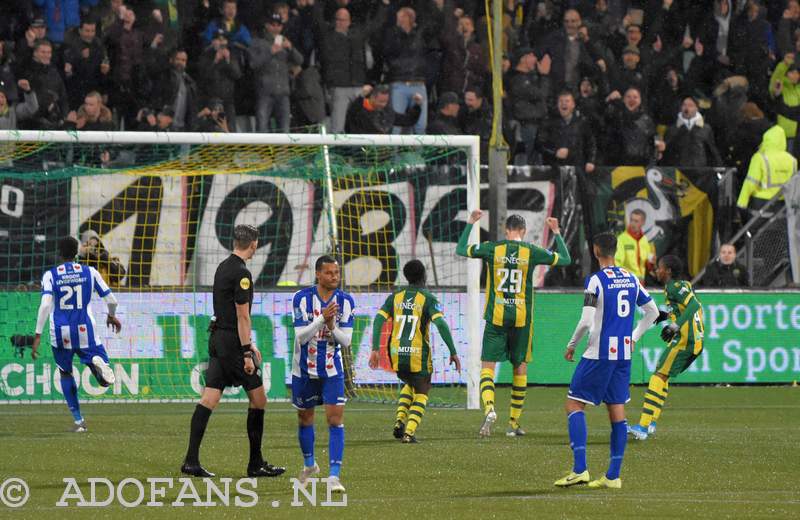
(604, 372)
(323, 324)
(412, 309)
(684, 336)
(66, 296)
(510, 265)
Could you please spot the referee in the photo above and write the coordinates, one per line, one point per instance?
(233, 359)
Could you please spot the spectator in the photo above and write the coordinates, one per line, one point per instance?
(23, 52)
(8, 80)
(784, 83)
(233, 30)
(590, 105)
(343, 58)
(666, 99)
(464, 62)
(158, 35)
(634, 251)
(270, 59)
(219, 71)
(212, 118)
(788, 26)
(160, 121)
(747, 137)
(298, 26)
(446, 120)
(93, 253)
(404, 49)
(529, 93)
(86, 64)
(61, 15)
(750, 52)
(11, 113)
(175, 88)
(770, 168)
(476, 118)
(567, 139)
(631, 134)
(571, 59)
(50, 90)
(308, 99)
(126, 48)
(540, 21)
(373, 115)
(92, 115)
(690, 142)
(110, 14)
(629, 73)
(725, 272)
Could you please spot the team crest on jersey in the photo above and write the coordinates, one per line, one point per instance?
(624, 272)
(61, 269)
(610, 273)
(298, 314)
(77, 268)
(244, 283)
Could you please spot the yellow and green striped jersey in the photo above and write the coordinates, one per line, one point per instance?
(510, 265)
(679, 296)
(411, 309)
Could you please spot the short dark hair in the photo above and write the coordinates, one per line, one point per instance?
(607, 243)
(68, 248)
(243, 236)
(380, 89)
(89, 20)
(414, 271)
(566, 92)
(515, 222)
(641, 212)
(673, 263)
(324, 259)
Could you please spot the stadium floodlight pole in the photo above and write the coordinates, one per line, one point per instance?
(334, 231)
(471, 143)
(498, 149)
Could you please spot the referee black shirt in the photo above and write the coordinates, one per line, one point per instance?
(233, 284)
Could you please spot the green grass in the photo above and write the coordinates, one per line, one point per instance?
(719, 453)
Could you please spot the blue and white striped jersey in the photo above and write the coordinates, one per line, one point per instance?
(614, 292)
(72, 324)
(320, 356)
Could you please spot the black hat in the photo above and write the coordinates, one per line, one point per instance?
(216, 104)
(275, 18)
(520, 52)
(167, 110)
(792, 67)
(38, 22)
(448, 98)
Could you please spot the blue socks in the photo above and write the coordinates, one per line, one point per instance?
(306, 436)
(576, 422)
(619, 438)
(71, 395)
(336, 448)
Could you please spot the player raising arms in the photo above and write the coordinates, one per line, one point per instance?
(323, 324)
(510, 265)
(604, 372)
(66, 294)
(412, 309)
(684, 336)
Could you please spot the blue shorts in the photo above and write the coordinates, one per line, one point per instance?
(600, 380)
(63, 356)
(309, 392)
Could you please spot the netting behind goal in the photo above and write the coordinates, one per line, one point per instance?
(156, 219)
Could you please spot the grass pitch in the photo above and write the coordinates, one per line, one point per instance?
(719, 453)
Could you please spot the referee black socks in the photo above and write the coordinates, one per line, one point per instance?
(255, 431)
(198, 429)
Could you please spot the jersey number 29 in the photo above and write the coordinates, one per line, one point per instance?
(510, 280)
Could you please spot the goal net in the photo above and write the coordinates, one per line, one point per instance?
(155, 214)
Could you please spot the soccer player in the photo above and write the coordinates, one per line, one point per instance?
(604, 371)
(323, 324)
(66, 296)
(684, 336)
(233, 359)
(510, 265)
(412, 309)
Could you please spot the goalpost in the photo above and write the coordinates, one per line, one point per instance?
(156, 212)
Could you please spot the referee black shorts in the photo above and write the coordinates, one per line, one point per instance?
(226, 363)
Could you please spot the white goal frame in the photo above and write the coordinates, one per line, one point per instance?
(471, 143)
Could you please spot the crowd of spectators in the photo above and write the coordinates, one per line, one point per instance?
(586, 83)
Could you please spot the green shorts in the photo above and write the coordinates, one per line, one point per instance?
(678, 357)
(507, 344)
